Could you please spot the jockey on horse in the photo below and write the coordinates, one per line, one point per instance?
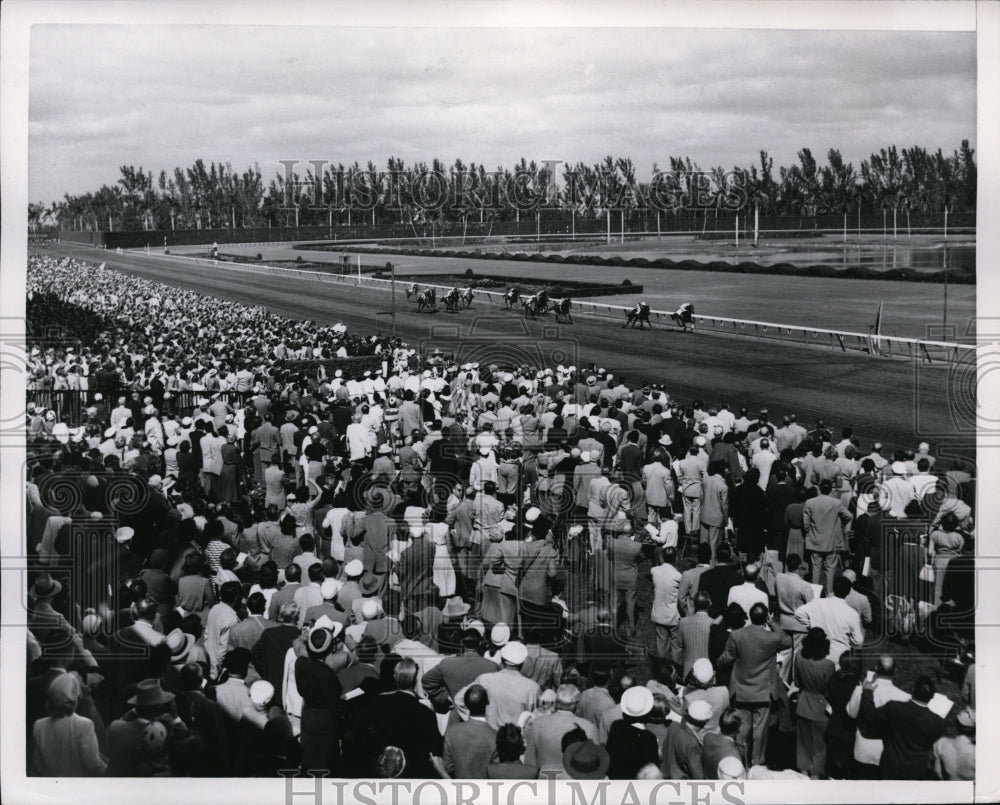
(427, 300)
(413, 290)
(468, 295)
(450, 300)
(683, 316)
(511, 298)
(640, 314)
(561, 308)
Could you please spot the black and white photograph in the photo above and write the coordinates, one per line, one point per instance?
(453, 403)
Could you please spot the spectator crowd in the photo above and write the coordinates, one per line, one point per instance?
(249, 554)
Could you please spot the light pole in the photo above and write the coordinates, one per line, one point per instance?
(392, 271)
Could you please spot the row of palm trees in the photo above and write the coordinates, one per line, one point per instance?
(321, 193)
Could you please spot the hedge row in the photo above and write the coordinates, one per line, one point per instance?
(745, 267)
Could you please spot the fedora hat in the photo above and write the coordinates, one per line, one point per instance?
(148, 693)
(455, 607)
(179, 644)
(586, 761)
(45, 587)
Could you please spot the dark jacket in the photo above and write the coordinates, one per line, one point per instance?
(908, 731)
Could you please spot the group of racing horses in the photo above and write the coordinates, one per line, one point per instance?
(538, 304)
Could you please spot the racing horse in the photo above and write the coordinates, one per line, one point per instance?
(639, 314)
(427, 301)
(467, 296)
(561, 308)
(450, 300)
(413, 291)
(511, 299)
(536, 304)
(683, 316)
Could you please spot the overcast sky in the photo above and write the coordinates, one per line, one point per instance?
(160, 97)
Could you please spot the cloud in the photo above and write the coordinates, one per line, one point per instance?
(162, 96)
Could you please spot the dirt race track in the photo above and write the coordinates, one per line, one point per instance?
(898, 401)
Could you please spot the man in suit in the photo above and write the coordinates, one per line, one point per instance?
(625, 553)
(716, 746)
(659, 483)
(792, 591)
(691, 577)
(682, 750)
(714, 509)
(416, 572)
(469, 745)
(596, 699)
(836, 617)
(908, 730)
(264, 442)
(858, 601)
(752, 653)
(510, 693)
(823, 519)
(693, 634)
(664, 613)
(543, 734)
(460, 520)
(443, 682)
(719, 580)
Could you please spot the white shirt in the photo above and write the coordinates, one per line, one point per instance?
(746, 595)
(869, 750)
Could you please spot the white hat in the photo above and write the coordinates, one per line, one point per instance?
(701, 441)
(585, 457)
(702, 670)
(637, 701)
(575, 531)
(500, 634)
(313, 430)
(699, 710)
(371, 609)
(384, 449)
(923, 447)
(898, 468)
(124, 534)
(329, 588)
(532, 514)
(665, 440)
(514, 653)
(155, 480)
(354, 568)
(731, 768)
(261, 692)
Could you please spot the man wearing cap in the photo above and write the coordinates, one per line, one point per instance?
(233, 694)
(630, 745)
(682, 751)
(701, 685)
(318, 685)
(510, 693)
(149, 703)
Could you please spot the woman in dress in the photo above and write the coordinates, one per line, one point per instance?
(793, 522)
(813, 672)
(444, 566)
(944, 543)
(232, 470)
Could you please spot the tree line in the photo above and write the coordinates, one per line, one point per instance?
(217, 196)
